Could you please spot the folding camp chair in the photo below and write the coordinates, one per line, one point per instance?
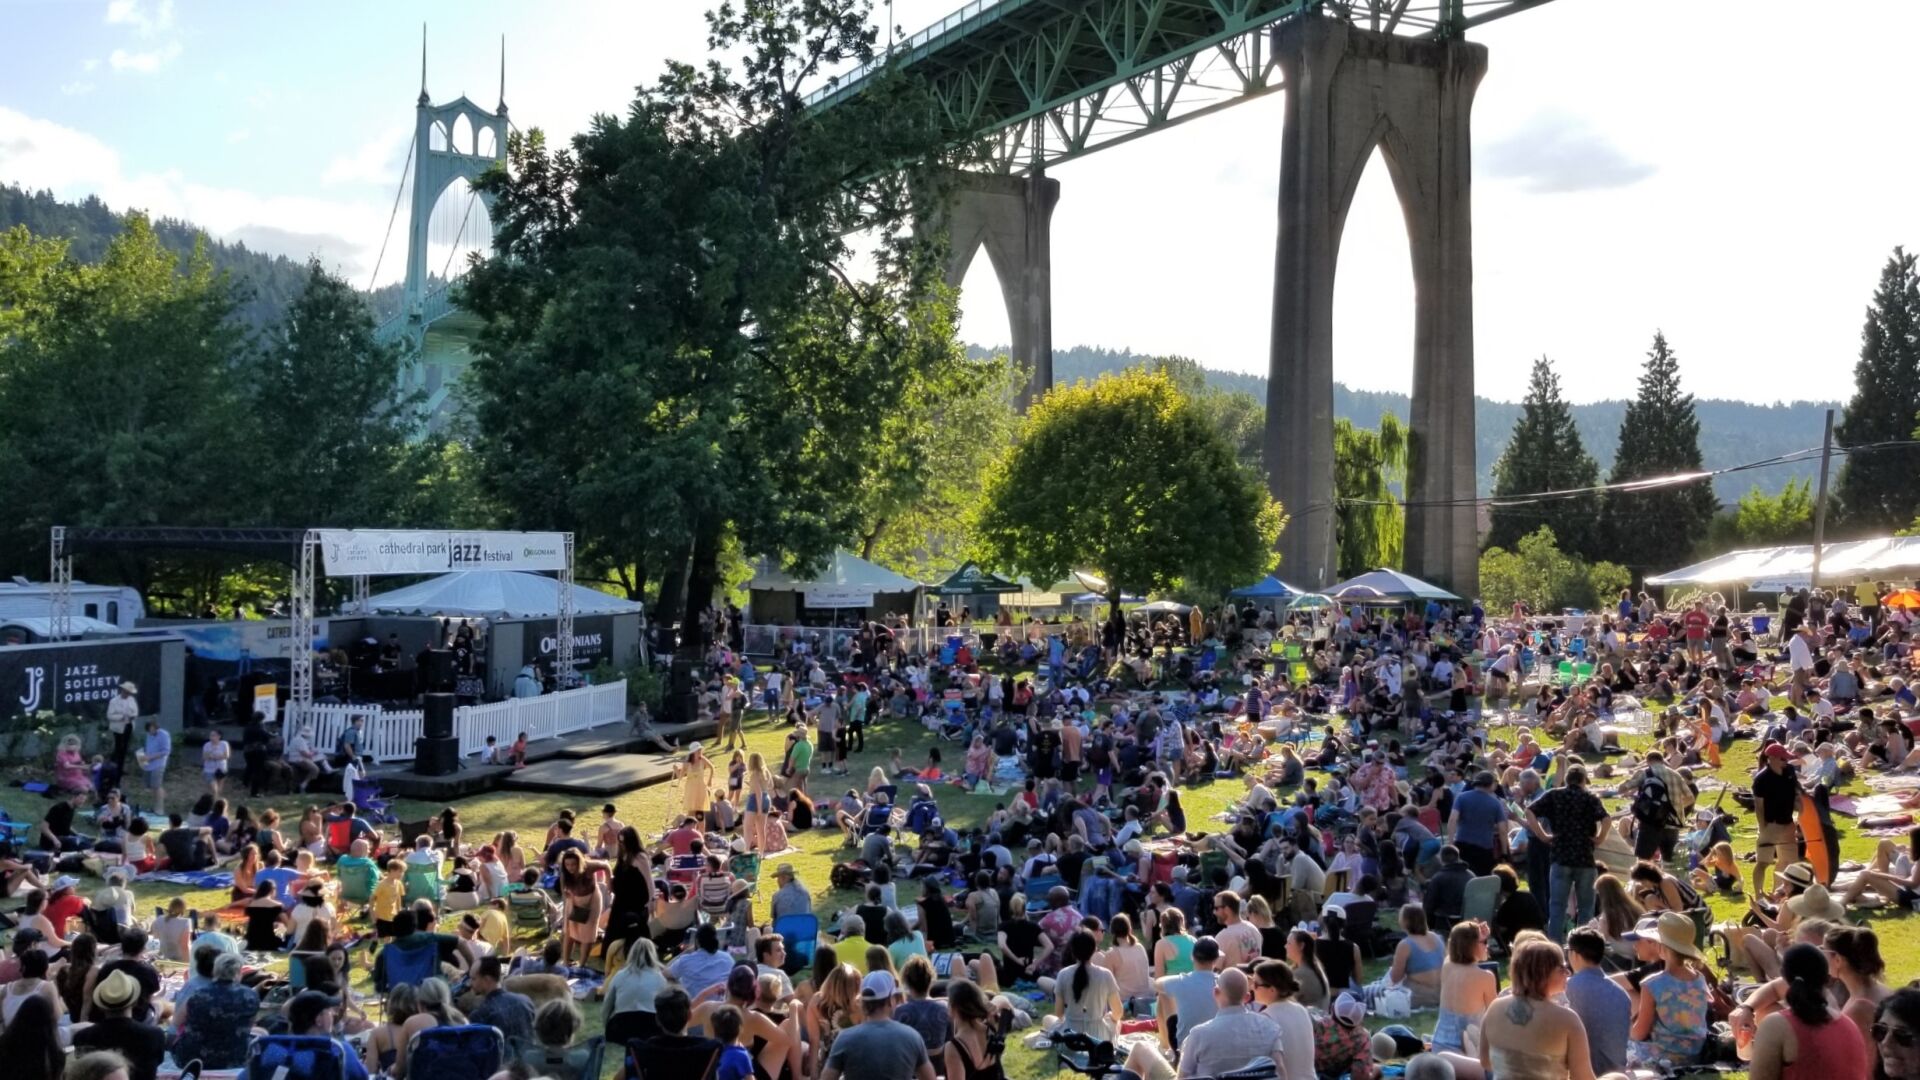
(1038, 886)
(424, 883)
(1481, 897)
(463, 1052)
(296, 1057)
(408, 965)
(356, 882)
(801, 933)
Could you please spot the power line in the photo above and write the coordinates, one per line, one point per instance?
(1654, 483)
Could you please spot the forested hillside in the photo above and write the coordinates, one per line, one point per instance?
(1731, 432)
(266, 283)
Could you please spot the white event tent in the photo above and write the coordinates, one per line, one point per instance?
(494, 594)
(1775, 569)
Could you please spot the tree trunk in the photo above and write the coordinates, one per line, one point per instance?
(871, 540)
(703, 576)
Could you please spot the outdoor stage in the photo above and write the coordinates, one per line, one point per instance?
(586, 764)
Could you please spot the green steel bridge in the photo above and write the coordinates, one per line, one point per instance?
(1099, 73)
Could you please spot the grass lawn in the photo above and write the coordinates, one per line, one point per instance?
(650, 809)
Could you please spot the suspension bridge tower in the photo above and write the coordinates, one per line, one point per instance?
(454, 144)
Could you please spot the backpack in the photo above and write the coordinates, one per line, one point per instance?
(1653, 803)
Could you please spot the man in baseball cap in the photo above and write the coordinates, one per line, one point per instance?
(1776, 795)
(880, 1047)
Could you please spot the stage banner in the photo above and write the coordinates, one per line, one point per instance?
(838, 596)
(592, 642)
(78, 678)
(352, 552)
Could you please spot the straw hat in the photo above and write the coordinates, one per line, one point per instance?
(1800, 874)
(1676, 933)
(1818, 903)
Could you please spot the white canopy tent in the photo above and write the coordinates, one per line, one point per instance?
(494, 594)
(1790, 566)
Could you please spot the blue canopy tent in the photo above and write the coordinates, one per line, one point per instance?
(1267, 588)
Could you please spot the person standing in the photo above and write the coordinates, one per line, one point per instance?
(122, 710)
(1574, 821)
(1776, 795)
(153, 762)
(1475, 824)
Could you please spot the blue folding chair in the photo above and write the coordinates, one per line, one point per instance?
(465, 1052)
(801, 933)
(405, 965)
(296, 1057)
(1038, 886)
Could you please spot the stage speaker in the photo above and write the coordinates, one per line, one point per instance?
(682, 703)
(438, 722)
(436, 757)
(440, 673)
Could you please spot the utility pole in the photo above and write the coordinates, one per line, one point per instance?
(1820, 501)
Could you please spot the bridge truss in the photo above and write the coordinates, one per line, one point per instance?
(1047, 81)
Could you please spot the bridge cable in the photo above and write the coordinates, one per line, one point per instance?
(454, 249)
(392, 217)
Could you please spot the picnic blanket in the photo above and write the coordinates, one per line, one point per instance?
(1867, 805)
(1894, 782)
(198, 879)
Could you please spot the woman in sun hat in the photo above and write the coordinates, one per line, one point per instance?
(1670, 1021)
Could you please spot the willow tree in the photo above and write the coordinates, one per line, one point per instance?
(1369, 521)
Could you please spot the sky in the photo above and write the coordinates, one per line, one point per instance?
(1737, 183)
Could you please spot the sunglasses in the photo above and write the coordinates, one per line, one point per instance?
(1906, 1037)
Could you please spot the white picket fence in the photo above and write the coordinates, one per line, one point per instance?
(390, 734)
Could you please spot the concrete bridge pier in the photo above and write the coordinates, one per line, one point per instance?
(1011, 217)
(1349, 90)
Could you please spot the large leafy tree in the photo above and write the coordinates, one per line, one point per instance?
(1234, 413)
(1658, 527)
(1876, 489)
(925, 461)
(1544, 454)
(1126, 477)
(116, 392)
(675, 351)
(1537, 573)
(1785, 518)
(1369, 523)
(334, 436)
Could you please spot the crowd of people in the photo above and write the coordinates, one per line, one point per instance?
(1423, 803)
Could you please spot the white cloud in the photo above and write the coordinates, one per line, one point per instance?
(76, 88)
(36, 153)
(144, 63)
(1556, 152)
(145, 18)
(91, 64)
(239, 136)
(378, 161)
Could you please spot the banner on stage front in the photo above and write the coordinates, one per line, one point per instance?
(838, 596)
(352, 552)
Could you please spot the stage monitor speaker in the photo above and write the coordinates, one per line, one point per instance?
(440, 673)
(438, 720)
(436, 757)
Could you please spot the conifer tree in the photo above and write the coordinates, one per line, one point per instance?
(1877, 490)
(1657, 529)
(1544, 454)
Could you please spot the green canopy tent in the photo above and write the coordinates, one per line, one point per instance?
(971, 580)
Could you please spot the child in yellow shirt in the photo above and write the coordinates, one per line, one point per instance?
(388, 896)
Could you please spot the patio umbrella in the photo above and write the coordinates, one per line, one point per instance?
(1903, 598)
(1309, 602)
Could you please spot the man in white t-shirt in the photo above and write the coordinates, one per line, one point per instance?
(1239, 940)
